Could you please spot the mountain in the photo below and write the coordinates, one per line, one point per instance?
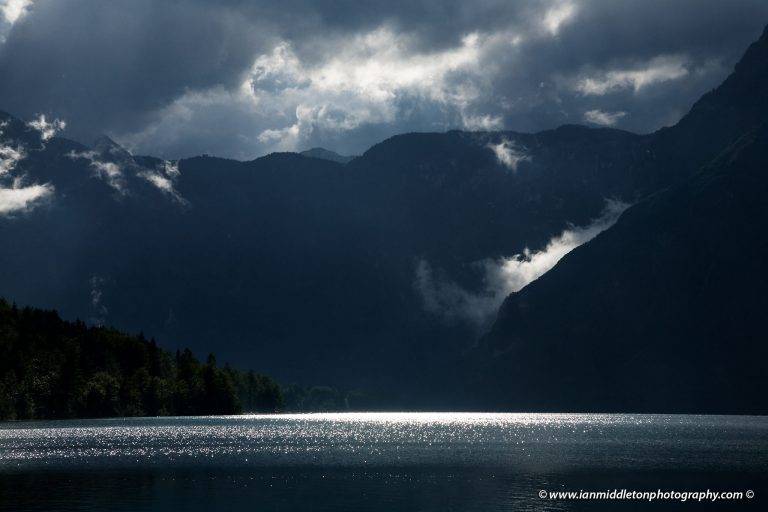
(378, 273)
(665, 310)
(715, 121)
(326, 154)
(303, 267)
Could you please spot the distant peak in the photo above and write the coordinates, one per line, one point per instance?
(326, 154)
(106, 146)
(104, 141)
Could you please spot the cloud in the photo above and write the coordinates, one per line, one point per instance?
(659, 70)
(603, 118)
(509, 154)
(115, 166)
(15, 195)
(47, 129)
(10, 157)
(14, 10)
(448, 300)
(285, 102)
(241, 79)
(557, 16)
(370, 80)
(486, 122)
(110, 172)
(159, 181)
(380, 63)
(164, 179)
(504, 276)
(18, 199)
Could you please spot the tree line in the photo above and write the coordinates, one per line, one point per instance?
(52, 368)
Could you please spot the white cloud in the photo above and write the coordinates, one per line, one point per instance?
(15, 197)
(505, 275)
(158, 180)
(380, 63)
(519, 270)
(364, 82)
(277, 71)
(171, 169)
(485, 122)
(603, 118)
(14, 10)
(110, 172)
(373, 80)
(285, 138)
(164, 179)
(10, 157)
(47, 129)
(658, 70)
(557, 16)
(19, 199)
(509, 153)
(116, 174)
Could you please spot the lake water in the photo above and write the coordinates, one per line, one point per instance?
(381, 461)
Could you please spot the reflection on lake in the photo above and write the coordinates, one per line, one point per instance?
(376, 461)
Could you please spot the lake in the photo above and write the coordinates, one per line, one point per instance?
(382, 462)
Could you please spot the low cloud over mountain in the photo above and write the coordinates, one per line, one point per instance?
(506, 275)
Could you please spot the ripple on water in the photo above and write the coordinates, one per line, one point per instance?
(528, 442)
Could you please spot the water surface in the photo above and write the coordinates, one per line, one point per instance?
(378, 461)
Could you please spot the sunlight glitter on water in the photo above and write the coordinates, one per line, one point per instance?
(384, 439)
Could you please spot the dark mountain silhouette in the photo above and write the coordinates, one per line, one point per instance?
(303, 266)
(326, 154)
(716, 120)
(306, 268)
(664, 311)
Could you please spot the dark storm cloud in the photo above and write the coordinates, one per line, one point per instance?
(239, 78)
(110, 63)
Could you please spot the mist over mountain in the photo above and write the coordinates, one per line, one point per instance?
(364, 273)
(664, 311)
(309, 267)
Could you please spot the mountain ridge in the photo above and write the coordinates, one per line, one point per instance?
(326, 154)
(310, 267)
(663, 311)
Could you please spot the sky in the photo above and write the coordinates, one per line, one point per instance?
(239, 79)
